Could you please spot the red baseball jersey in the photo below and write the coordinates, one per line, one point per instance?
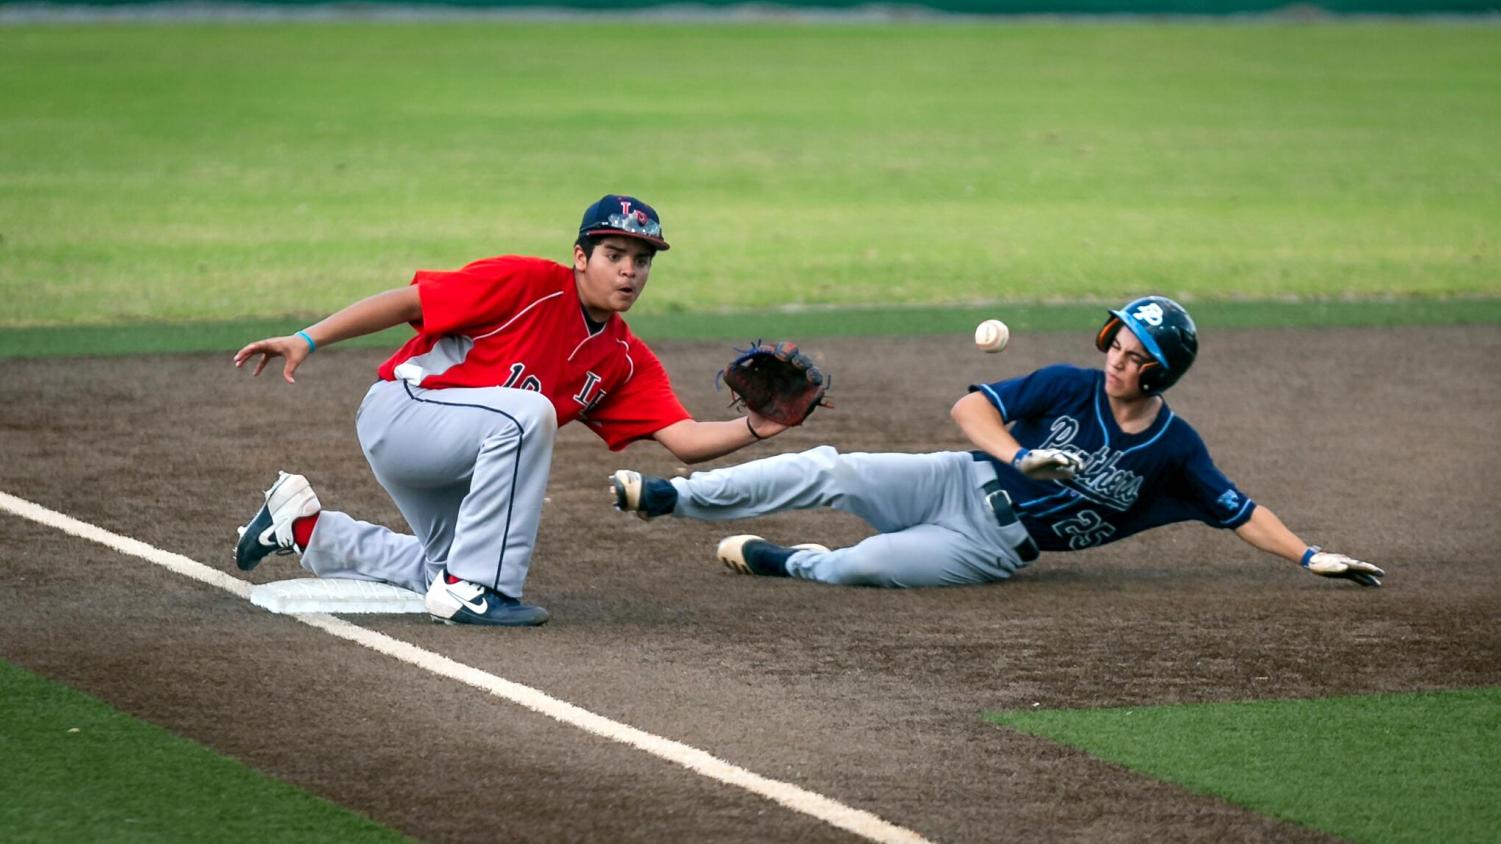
(517, 322)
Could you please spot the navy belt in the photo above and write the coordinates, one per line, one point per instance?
(999, 502)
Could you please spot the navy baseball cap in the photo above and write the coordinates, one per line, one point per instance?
(623, 216)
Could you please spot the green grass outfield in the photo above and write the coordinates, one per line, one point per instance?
(75, 769)
(1380, 768)
(183, 172)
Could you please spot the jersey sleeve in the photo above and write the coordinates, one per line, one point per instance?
(481, 294)
(1034, 395)
(1203, 493)
(641, 406)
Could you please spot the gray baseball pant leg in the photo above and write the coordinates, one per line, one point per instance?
(935, 529)
(346, 548)
(467, 467)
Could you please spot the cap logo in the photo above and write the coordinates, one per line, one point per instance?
(1149, 313)
(635, 222)
(625, 215)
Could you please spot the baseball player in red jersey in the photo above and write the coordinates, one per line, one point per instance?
(459, 427)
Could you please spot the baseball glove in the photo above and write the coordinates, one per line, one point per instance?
(776, 381)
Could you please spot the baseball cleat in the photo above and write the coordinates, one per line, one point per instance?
(454, 601)
(648, 496)
(750, 554)
(270, 532)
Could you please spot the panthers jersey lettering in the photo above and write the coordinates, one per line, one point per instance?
(1130, 482)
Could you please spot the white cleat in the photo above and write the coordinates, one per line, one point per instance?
(750, 554)
(270, 532)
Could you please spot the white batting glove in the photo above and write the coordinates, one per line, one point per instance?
(1338, 565)
(1048, 464)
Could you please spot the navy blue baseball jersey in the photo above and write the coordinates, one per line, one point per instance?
(1130, 482)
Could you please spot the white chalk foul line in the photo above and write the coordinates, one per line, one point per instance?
(832, 812)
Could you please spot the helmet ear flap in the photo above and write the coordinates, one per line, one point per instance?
(1148, 377)
(1107, 333)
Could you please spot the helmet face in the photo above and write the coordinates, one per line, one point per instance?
(1166, 331)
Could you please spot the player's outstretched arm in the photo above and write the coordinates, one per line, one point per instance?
(983, 425)
(692, 441)
(366, 316)
(1266, 532)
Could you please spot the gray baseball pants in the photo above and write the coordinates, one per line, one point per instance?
(935, 526)
(467, 468)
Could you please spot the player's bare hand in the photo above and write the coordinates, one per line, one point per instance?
(1048, 464)
(1329, 564)
(293, 348)
(763, 427)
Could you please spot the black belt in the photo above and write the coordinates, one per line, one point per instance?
(999, 501)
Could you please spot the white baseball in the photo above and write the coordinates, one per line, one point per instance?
(992, 335)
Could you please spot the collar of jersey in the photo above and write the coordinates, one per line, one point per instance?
(1159, 425)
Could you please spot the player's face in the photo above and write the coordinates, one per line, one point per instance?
(613, 277)
(1123, 362)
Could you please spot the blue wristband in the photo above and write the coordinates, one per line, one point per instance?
(311, 346)
(1308, 555)
(1017, 460)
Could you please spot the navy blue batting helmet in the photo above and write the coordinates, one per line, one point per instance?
(1166, 331)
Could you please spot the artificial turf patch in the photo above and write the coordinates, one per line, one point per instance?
(1418, 767)
(74, 769)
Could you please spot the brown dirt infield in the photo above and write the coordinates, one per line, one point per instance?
(1378, 443)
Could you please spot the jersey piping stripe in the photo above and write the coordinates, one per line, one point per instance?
(589, 332)
(588, 326)
(1170, 417)
(1105, 431)
(1064, 506)
(516, 317)
(515, 472)
(996, 400)
(1093, 498)
(1098, 416)
(1045, 498)
(628, 359)
(580, 346)
(1238, 513)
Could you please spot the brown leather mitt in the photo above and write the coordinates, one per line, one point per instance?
(776, 381)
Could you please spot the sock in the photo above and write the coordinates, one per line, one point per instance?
(500, 596)
(767, 559)
(662, 495)
(302, 530)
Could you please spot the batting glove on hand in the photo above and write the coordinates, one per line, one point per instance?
(1338, 565)
(1048, 464)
